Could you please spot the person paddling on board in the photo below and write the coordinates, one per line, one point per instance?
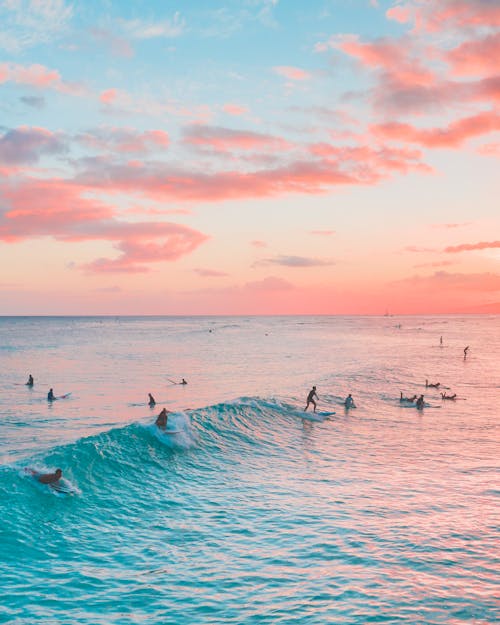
(310, 399)
(49, 478)
(436, 385)
(161, 419)
(30, 381)
(349, 402)
(50, 395)
(420, 403)
(410, 399)
(152, 400)
(445, 396)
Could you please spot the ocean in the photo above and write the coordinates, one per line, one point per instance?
(249, 513)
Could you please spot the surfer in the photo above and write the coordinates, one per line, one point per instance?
(410, 399)
(152, 400)
(50, 395)
(310, 399)
(161, 419)
(49, 478)
(445, 396)
(349, 402)
(436, 385)
(441, 341)
(466, 349)
(30, 381)
(420, 403)
(183, 381)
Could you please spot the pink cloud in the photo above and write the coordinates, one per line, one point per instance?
(125, 140)
(468, 247)
(37, 76)
(291, 73)
(61, 210)
(257, 243)
(454, 135)
(226, 139)
(475, 57)
(442, 280)
(438, 263)
(26, 145)
(109, 96)
(234, 109)
(324, 233)
(399, 13)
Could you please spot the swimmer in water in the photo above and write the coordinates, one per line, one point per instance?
(152, 400)
(49, 478)
(445, 396)
(410, 399)
(161, 419)
(50, 395)
(420, 403)
(349, 402)
(30, 381)
(436, 385)
(310, 399)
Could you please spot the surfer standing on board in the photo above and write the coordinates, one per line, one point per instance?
(310, 399)
(161, 419)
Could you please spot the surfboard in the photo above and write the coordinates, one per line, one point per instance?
(171, 432)
(65, 396)
(325, 414)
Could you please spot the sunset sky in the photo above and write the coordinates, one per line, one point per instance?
(249, 157)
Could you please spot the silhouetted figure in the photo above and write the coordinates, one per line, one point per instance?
(441, 341)
(408, 399)
(436, 385)
(152, 400)
(30, 381)
(420, 403)
(50, 395)
(349, 402)
(183, 381)
(310, 399)
(466, 349)
(445, 396)
(161, 419)
(49, 478)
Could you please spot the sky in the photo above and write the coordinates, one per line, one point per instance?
(249, 157)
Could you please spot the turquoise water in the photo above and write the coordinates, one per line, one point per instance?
(249, 514)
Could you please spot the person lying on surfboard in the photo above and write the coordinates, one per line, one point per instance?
(429, 385)
(162, 418)
(445, 396)
(410, 399)
(49, 478)
(310, 399)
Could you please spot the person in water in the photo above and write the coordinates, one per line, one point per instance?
(49, 478)
(183, 381)
(466, 349)
(50, 395)
(441, 341)
(436, 385)
(445, 396)
(152, 400)
(30, 381)
(310, 399)
(420, 403)
(349, 402)
(410, 399)
(161, 419)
